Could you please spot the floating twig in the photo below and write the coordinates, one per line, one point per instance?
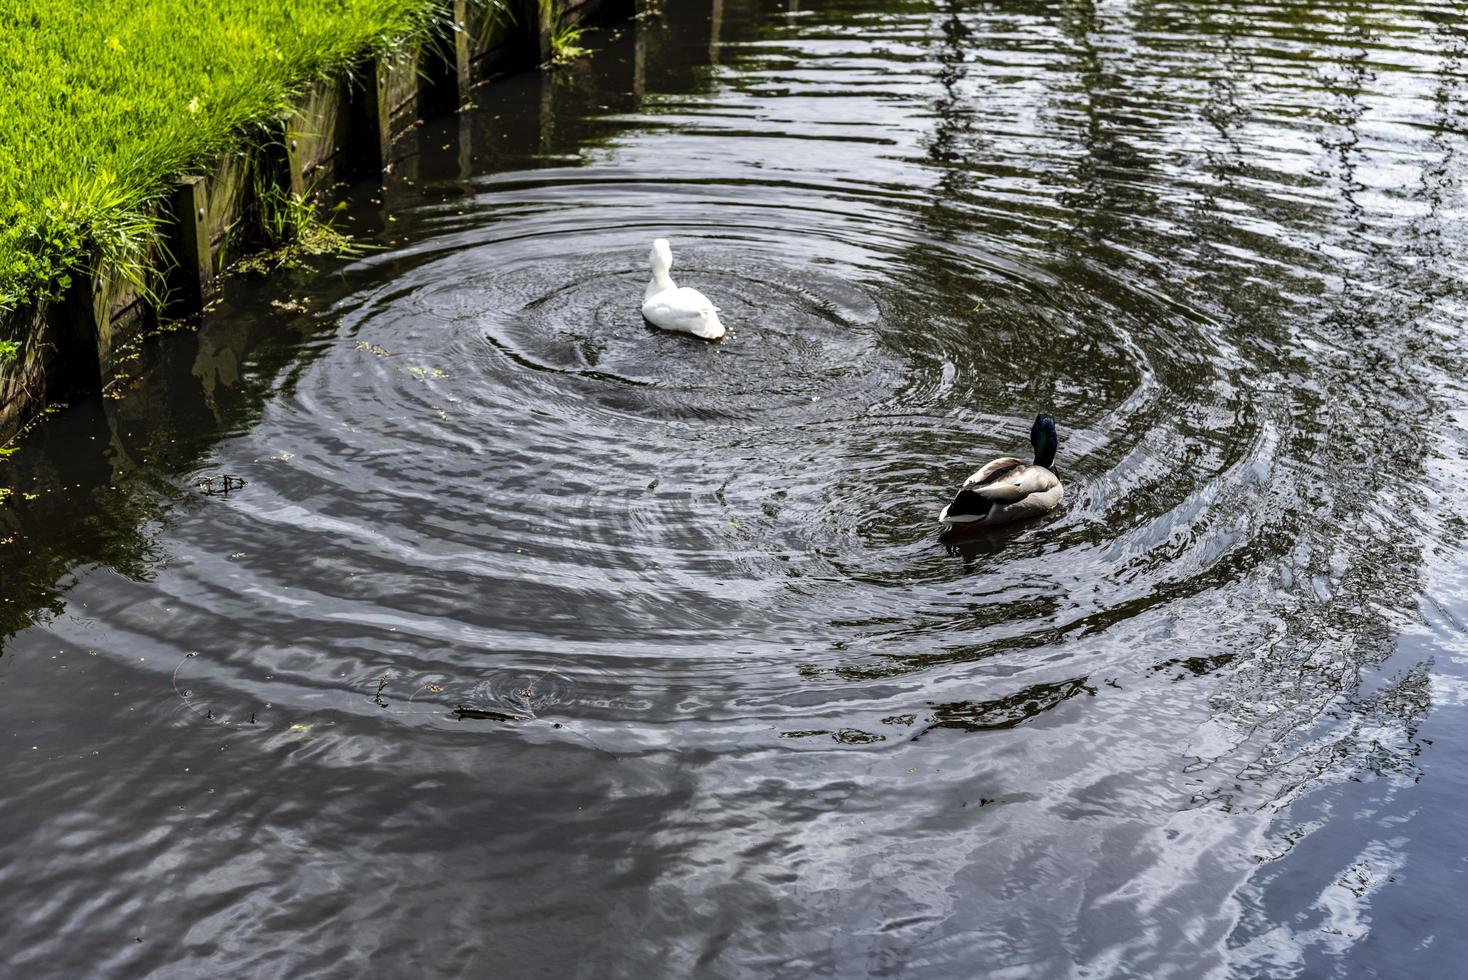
(220, 485)
(485, 714)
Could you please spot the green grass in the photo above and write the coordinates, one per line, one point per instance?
(565, 40)
(293, 228)
(104, 100)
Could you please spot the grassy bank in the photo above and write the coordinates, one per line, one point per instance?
(104, 100)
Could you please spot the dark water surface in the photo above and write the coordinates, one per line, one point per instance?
(736, 711)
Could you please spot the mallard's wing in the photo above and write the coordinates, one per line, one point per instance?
(1015, 483)
(1035, 504)
(992, 471)
(971, 504)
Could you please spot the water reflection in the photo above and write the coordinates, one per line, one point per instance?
(1005, 712)
(535, 619)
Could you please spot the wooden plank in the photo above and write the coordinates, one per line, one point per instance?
(463, 66)
(187, 240)
(224, 203)
(397, 93)
(501, 37)
(316, 135)
(25, 381)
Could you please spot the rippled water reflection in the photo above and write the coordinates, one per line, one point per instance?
(540, 641)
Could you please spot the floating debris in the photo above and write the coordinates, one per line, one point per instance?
(465, 711)
(428, 686)
(848, 736)
(855, 736)
(220, 485)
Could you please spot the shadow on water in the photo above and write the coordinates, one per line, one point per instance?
(96, 481)
(524, 629)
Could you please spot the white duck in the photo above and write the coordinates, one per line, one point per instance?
(1010, 489)
(671, 307)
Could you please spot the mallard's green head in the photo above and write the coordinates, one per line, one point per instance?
(1045, 440)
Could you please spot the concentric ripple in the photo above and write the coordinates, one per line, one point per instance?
(661, 634)
(582, 474)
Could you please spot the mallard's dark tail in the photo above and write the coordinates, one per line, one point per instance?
(967, 507)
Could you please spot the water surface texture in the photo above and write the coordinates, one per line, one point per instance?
(536, 642)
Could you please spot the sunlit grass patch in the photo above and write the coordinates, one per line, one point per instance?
(565, 39)
(292, 229)
(103, 101)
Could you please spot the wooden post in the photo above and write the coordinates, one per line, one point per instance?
(187, 239)
(317, 135)
(226, 198)
(365, 157)
(384, 108)
(25, 382)
(462, 67)
(294, 163)
(116, 312)
(716, 26)
(399, 93)
(639, 53)
(546, 11)
(77, 369)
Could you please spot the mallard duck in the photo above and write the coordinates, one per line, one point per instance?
(1009, 489)
(671, 307)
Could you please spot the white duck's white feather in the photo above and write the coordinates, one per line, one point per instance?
(671, 307)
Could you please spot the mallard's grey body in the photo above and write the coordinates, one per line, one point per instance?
(1010, 489)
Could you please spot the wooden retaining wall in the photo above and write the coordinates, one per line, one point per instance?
(344, 128)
